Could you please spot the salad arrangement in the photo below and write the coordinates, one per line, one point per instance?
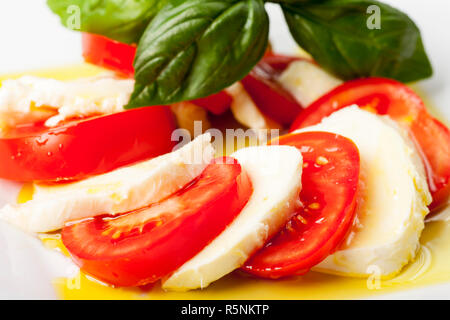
(347, 189)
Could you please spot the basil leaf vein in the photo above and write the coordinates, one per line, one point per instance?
(195, 48)
(121, 20)
(336, 35)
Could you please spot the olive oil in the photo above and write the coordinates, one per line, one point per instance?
(431, 266)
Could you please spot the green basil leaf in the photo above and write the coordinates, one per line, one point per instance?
(121, 20)
(195, 48)
(336, 34)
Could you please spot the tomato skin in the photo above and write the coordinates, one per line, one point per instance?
(384, 96)
(217, 103)
(82, 148)
(155, 241)
(328, 196)
(392, 98)
(274, 101)
(108, 53)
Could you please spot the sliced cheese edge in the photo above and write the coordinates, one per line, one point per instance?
(275, 172)
(246, 112)
(118, 191)
(31, 98)
(307, 82)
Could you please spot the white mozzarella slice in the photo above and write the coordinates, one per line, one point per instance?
(393, 196)
(307, 82)
(32, 98)
(118, 191)
(275, 172)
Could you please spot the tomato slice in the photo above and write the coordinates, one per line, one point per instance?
(389, 97)
(81, 148)
(108, 53)
(270, 97)
(217, 103)
(433, 139)
(142, 246)
(329, 186)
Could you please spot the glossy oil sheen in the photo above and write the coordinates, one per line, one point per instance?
(431, 266)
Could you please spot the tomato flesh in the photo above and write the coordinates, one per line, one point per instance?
(329, 188)
(142, 246)
(270, 97)
(392, 98)
(86, 147)
(217, 103)
(108, 53)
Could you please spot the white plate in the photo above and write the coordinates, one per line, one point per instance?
(32, 38)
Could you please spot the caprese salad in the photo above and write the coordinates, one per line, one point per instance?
(346, 189)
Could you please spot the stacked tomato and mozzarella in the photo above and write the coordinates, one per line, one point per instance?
(346, 191)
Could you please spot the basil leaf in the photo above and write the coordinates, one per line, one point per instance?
(121, 20)
(336, 34)
(195, 48)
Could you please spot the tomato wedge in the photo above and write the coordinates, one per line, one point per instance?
(142, 246)
(389, 97)
(270, 97)
(329, 188)
(81, 148)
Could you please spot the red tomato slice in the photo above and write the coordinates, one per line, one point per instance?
(389, 97)
(216, 103)
(81, 148)
(142, 246)
(108, 53)
(329, 187)
(269, 96)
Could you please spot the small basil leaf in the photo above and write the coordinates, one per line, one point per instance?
(195, 48)
(121, 20)
(336, 34)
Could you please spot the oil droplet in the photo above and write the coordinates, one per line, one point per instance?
(49, 153)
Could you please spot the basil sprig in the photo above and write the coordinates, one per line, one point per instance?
(336, 34)
(194, 48)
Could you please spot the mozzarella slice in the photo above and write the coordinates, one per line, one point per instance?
(115, 192)
(275, 172)
(393, 196)
(307, 82)
(245, 110)
(32, 98)
(189, 115)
